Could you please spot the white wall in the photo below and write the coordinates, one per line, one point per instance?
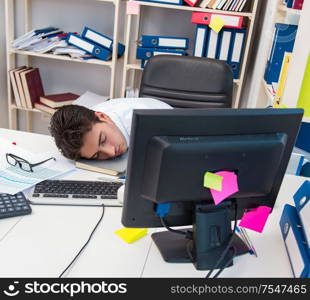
(73, 15)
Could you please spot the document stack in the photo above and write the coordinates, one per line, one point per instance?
(227, 44)
(232, 5)
(295, 229)
(283, 41)
(95, 43)
(151, 45)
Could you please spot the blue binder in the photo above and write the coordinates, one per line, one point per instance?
(289, 3)
(146, 53)
(153, 41)
(225, 44)
(236, 51)
(294, 240)
(201, 35)
(302, 204)
(212, 44)
(102, 40)
(283, 41)
(89, 47)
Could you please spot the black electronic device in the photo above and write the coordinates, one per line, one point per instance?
(170, 151)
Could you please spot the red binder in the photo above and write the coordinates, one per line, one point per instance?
(231, 21)
(191, 2)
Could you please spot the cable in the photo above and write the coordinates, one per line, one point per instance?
(100, 219)
(188, 233)
(227, 263)
(227, 247)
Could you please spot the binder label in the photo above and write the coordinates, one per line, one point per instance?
(236, 55)
(98, 38)
(165, 42)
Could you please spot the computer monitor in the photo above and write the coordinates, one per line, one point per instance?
(169, 153)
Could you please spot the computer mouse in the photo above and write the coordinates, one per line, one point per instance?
(120, 194)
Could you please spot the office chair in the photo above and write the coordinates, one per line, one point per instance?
(188, 81)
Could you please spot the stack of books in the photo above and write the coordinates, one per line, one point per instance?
(29, 93)
(151, 45)
(226, 45)
(95, 43)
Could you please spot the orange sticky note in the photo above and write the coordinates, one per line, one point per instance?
(132, 7)
(216, 23)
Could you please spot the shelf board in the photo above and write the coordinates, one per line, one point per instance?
(138, 67)
(13, 106)
(189, 8)
(282, 8)
(62, 57)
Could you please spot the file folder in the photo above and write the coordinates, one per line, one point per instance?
(212, 44)
(205, 18)
(236, 51)
(200, 40)
(92, 48)
(191, 2)
(302, 204)
(225, 43)
(283, 41)
(152, 41)
(146, 53)
(294, 241)
(102, 40)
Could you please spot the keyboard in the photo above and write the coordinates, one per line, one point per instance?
(13, 205)
(76, 192)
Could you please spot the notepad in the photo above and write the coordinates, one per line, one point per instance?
(130, 235)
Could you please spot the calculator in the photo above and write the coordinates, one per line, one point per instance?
(13, 205)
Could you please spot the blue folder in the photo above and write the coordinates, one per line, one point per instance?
(201, 36)
(146, 53)
(236, 51)
(302, 204)
(102, 40)
(89, 47)
(294, 240)
(283, 41)
(153, 41)
(225, 43)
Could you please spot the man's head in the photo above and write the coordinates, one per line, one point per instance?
(81, 132)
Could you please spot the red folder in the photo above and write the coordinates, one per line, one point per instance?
(297, 4)
(205, 18)
(191, 2)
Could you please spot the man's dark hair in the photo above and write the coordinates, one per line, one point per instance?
(68, 127)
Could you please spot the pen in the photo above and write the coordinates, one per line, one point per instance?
(248, 240)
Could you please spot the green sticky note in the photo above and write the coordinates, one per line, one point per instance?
(216, 24)
(212, 181)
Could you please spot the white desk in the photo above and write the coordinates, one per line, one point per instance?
(44, 243)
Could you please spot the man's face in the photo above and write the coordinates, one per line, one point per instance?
(104, 140)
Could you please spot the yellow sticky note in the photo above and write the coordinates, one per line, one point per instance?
(216, 23)
(212, 181)
(130, 235)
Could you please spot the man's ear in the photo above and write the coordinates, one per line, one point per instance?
(103, 117)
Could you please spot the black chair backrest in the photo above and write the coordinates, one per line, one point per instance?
(188, 81)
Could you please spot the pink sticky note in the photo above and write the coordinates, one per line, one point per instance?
(132, 8)
(256, 218)
(229, 186)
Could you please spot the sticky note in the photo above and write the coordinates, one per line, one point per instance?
(256, 218)
(212, 181)
(229, 186)
(216, 23)
(130, 235)
(132, 7)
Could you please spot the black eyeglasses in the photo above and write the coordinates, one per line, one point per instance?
(25, 165)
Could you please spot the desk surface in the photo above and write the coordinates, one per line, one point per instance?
(44, 243)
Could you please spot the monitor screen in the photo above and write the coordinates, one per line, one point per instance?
(171, 150)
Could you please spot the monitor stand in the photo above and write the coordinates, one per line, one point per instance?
(211, 234)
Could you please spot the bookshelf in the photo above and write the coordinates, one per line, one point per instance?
(132, 69)
(12, 54)
(300, 54)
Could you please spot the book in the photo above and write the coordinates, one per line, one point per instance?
(14, 85)
(43, 107)
(115, 166)
(20, 85)
(58, 100)
(32, 85)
